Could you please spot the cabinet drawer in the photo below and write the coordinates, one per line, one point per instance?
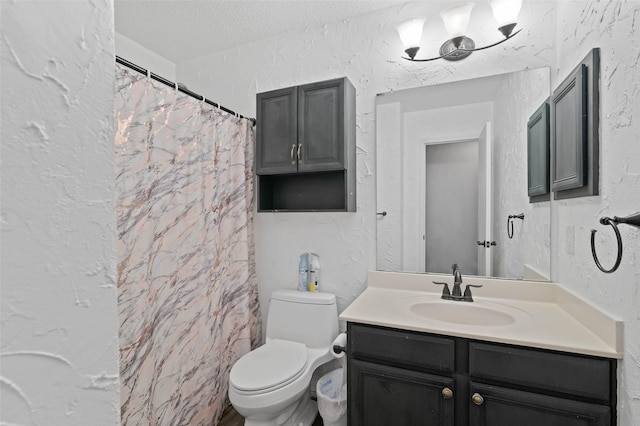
(571, 374)
(402, 348)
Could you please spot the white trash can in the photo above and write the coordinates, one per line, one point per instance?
(332, 398)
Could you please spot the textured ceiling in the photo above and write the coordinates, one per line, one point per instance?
(181, 30)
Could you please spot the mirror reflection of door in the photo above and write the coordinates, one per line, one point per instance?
(457, 205)
(485, 202)
(451, 205)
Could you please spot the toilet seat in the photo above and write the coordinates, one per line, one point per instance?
(269, 367)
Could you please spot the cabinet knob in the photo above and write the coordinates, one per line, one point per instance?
(299, 147)
(477, 399)
(293, 160)
(447, 393)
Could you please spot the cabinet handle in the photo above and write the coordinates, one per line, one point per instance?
(293, 147)
(447, 393)
(299, 147)
(477, 399)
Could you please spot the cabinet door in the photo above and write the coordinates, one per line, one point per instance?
(380, 395)
(321, 126)
(570, 132)
(538, 154)
(497, 406)
(276, 132)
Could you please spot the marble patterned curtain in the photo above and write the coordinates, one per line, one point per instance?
(187, 292)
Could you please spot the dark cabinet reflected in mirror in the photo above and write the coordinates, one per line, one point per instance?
(451, 168)
(538, 161)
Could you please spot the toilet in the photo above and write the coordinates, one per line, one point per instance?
(269, 386)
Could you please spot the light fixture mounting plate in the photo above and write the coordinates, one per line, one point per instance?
(451, 52)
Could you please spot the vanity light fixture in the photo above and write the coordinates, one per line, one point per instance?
(456, 20)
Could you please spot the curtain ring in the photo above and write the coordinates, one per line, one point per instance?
(607, 221)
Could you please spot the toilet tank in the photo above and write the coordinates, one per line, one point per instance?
(304, 317)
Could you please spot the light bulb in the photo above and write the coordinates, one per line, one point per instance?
(410, 32)
(456, 19)
(506, 11)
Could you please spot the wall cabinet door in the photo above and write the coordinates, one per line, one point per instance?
(575, 124)
(570, 132)
(497, 406)
(277, 132)
(381, 395)
(321, 126)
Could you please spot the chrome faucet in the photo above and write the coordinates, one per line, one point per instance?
(457, 292)
(457, 280)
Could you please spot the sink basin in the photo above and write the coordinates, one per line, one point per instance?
(463, 313)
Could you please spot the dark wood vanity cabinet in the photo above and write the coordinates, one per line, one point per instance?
(399, 377)
(305, 147)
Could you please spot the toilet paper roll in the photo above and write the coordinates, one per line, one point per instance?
(339, 345)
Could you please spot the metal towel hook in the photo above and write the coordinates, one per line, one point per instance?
(510, 223)
(633, 220)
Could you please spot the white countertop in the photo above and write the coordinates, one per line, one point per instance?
(546, 315)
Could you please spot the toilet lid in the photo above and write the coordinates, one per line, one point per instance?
(273, 364)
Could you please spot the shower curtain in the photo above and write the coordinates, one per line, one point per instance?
(187, 292)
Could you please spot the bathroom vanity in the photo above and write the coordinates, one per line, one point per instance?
(523, 353)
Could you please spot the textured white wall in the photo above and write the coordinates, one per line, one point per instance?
(517, 98)
(367, 50)
(59, 347)
(389, 182)
(615, 28)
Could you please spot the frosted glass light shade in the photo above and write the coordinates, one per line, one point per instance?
(456, 19)
(410, 32)
(506, 11)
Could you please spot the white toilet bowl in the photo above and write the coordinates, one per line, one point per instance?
(269, 386)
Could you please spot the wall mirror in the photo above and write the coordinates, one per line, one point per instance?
(452, 178)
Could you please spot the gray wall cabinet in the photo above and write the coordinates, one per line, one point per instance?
(538, 144)
(305, 147)
(570, 147)
(400, 377)
(575, 120)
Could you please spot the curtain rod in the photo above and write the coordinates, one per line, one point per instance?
(182, 89)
